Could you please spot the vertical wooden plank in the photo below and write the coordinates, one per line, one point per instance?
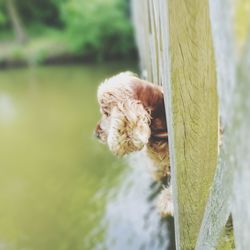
(182, 32)
(145, 16)
(242, 23)
(219, 203)
(158, 34)
(194, 114)
(140, 16)
(241, 188)
(179, 53)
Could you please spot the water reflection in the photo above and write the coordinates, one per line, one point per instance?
(60, 188)
(7, 109)
(131, 219)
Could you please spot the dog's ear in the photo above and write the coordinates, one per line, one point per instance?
(150, 95)
(129, 127)
(152, 98)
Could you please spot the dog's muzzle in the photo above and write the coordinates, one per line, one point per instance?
(100, 134)
(97, 131)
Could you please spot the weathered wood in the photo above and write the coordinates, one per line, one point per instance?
(219, 203)
(241, 23)
(190, 51)
(241, 188)
(189, 79)
(234, 161)
(140, 15)
(194, 114)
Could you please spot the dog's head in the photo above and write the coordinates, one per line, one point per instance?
(126, 105)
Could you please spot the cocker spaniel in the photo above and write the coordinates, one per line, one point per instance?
(133, 118)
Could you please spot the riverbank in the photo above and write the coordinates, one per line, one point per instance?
(45, 50)
(37, 51)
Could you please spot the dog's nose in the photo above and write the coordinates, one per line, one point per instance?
(96, 134)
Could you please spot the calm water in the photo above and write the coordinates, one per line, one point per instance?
(60, 188)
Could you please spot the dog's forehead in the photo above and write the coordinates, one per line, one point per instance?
(117, 83)
(105, 95)
(107, 100)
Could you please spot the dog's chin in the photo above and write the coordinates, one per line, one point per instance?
(102, 141)
(122, 144)
(124, 149)
(100, 136)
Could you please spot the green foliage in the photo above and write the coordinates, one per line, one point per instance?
(44, 12)
(95, 29)
(98, 27)
(2, 18)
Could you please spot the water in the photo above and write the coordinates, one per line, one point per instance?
(60, 188)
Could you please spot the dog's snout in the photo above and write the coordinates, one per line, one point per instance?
(97, 135)
(97, 131)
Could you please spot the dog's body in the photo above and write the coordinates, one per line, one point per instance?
(133, 117)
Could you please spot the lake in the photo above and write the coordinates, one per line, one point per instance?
(59, 188)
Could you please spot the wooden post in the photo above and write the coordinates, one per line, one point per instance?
(241, 188)
(231, 183)
(219, 203)
(184, 58)
(194, 113)
(140, 14)
(191, 53)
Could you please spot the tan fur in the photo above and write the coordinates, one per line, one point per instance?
(133, 115)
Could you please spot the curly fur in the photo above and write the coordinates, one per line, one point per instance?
(133, 118)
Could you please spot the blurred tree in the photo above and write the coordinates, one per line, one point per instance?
(98, 27)
(31, 14)
(45, 12)
(3, 18)
(16, 21)
(94, 29)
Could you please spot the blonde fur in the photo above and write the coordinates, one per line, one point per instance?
(132, 114)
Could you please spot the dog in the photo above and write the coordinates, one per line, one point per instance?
(133, 118)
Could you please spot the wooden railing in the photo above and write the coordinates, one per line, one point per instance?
(189, 47)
